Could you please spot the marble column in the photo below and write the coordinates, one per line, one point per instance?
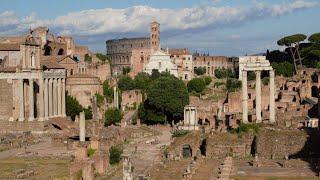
(41, 100)
(50, 98)
(21, 101)
(46, 99)
(31, 100)
(258, 96)
(82, 127)
(244, 97)
(272, 98)
(115, 97)
(55, 98)
(63, 94)
(59, 87)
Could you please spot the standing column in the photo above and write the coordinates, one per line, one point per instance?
(272, 98)
(63, 98)
(244, 97)
(115, 97)
(55, 98)
(31, 100)
(50, 98)
(59, 97)
(258, 96)
(41, 100)
(46, 99)
(21, 101)
(82, 127)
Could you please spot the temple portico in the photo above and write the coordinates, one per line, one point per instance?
(256, 64)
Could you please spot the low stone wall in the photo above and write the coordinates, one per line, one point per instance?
(35, 127)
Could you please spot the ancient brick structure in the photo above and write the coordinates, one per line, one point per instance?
(183, 59)
(131, 99)
(133, 52)
(210, 63)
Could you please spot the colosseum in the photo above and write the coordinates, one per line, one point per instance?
(133, 52)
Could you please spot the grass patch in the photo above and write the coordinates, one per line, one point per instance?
(179, 133)
(246, 128)
(90, 152)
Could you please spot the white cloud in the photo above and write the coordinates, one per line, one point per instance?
(135, 19)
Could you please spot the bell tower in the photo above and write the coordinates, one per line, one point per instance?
(155, 36)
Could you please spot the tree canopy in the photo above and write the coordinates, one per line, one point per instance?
(112, 116)
(292, 39)
(126, 83)
(200, 70)
(315, 38)
(196, 85)
(107, 91)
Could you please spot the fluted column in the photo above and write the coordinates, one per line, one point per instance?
(244, 97)
(258, 96)
(21, 101)
(50, 98)
(41, 100)
(55, 98)
(59, 97)
(272, 98)
(63, 98)
(46, 99)
(31, 100)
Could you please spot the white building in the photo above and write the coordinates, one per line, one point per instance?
(161, 61)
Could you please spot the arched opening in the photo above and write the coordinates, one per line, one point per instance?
(203, 147)
(33, 63)
(314, 78)
(200, 121)
(186, 151)
(253, 150)
(314, 91)
(61, 51)
(206, 122)
(47, 50)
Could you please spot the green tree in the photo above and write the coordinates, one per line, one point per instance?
(285, 69)
(142, 81)
(126, 70)
(207, 79)
(126, 83)
(221, 73)
(200, 71)
(87, 58)
(112, 116)
(169, 96)
(233, 85)
(115, 153)
(100, 99)
(293, 42)
(315, 38)
(87, 113)
(107, 91)
(155, 74)
(196, 85)
(73, 107)
(150, 115)
(102, 57)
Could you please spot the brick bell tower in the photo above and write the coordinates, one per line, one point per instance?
(155, 36)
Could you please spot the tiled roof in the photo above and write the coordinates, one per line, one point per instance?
(51, 64)
(183, 51)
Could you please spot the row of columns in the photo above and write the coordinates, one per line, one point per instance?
(258, 97)
(51, 99)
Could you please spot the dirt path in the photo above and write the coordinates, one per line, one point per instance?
(41, 149)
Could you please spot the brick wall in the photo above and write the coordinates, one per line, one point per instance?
(5, 100)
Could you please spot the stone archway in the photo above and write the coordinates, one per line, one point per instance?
(61, 51)
(186, 151)
(314, 91)
(47, 50)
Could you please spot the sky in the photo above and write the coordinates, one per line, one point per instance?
(218, 27)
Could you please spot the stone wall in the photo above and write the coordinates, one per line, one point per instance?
(36, 127)
(131, 99)
(212, 62)
(6, 100)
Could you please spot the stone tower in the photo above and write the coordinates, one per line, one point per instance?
(155, 36)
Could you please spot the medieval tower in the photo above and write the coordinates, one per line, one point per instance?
(155, 36)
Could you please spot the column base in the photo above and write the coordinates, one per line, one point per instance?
(31, 119)
(41, 119)
(21, 119)
(11, 119)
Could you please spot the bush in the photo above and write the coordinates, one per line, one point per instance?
(179, 133)
(100, 99)
(233, 85)
(90, 152)
(126, 70)
(221, 73)
(200, 70)
(245, 128)
(285, 69)
(197, 85)
(112, 116)
(87, 58)
(73, 107)
(115, 153)
(107, 91)
(102, 57)
(207, 79)
(126, 83)
(88, 112)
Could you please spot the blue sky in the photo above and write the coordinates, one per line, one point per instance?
(221, 27)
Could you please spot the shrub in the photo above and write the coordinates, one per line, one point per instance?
(88, 112)
(73, 107)
(102, 57)
(233, 85)
(100, 99)
(90, 152)
(200, 71)
(207, 79)
(107, 91)
(126, 70)
(112, 116)
(115, 153)
(179, 133)
(126, 83)
(196, 85)
(245, 128)
(87, 58)
(285, 69)
(221, 73)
